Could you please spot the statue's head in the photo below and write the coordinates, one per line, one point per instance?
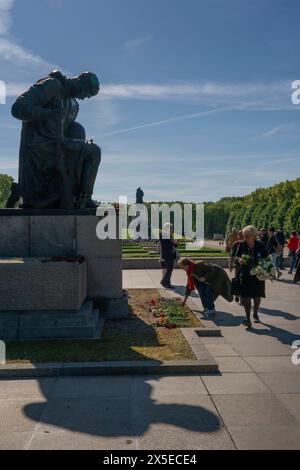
(85, 85)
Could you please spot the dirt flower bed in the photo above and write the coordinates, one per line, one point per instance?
(162, 312)
(150, 333)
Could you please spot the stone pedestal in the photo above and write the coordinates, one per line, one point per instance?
(28, 285)
(33, 284)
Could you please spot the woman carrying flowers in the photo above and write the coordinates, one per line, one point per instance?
(251, 252)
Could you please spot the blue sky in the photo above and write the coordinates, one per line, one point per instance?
(196, 94)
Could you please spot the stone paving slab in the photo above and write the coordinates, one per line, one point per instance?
(232, 364)
(252, 410)
(185, 440)
(262, 349)
(292, 403)
(14, 440)
(26, 389)
(79, 441)
(281, 383)
(13, 418)
(235, 384)
(221, 350)
(158, 387)
(266, 437)
(271, 364)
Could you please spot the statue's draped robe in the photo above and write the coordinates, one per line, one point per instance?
(39, 175)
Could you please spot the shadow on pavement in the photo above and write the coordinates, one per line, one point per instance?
(283, 336)
(114, 416)
(116, 406)
(278, 313)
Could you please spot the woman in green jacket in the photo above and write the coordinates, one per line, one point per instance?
(210, 280)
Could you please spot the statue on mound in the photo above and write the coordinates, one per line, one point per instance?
(57, 166)
(139, 196)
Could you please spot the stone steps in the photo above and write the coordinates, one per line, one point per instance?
(86, 324)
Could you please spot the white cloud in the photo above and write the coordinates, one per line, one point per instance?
(16, 60)
(136, 44)
(5, 16)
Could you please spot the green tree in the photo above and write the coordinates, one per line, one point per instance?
(5, 185)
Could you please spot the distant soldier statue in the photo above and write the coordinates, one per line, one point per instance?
(139, 196)
(57, 167)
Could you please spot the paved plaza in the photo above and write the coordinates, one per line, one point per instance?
(254, 403)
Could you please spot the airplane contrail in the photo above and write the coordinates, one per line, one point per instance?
(193, 116)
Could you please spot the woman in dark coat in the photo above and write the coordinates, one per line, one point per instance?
(297, 275)
(250, 286)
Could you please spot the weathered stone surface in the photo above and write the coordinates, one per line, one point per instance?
(31, 285)
(14, 236)
(84, 324)
(104, 277)
(89, 245)
(52, 235)
(45, 212)
(114, 309)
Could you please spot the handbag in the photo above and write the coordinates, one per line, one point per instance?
(235, 286)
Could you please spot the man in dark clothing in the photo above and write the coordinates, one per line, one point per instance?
(264, 237)
(55, 158)
(167, 255)
(273, 249)
(281, 239)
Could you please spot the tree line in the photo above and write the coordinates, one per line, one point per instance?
(277, 206)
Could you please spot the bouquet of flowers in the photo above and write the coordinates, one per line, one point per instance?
(245, 260)
(265, 270)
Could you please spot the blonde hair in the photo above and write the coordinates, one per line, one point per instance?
(250, 231)
(184, 262)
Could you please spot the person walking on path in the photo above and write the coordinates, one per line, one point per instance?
(297, 275)
(274, 249)
(167, 255)
(234, 261)
(210, 280)
(232, 238)
(280, 236)
(293, 245)
(264, 237)
(250, 252)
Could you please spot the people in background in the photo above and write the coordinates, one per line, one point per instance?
(234, 261)
(297, 275)
(293, 245)
(232, 238)
(264, 237)
(210, 280)
(280, 236)
(274, 249)
(250, 286)
(167, 255)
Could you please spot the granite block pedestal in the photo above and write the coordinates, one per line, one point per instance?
(31, 289)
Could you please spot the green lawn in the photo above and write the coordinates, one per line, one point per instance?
(147, 250)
